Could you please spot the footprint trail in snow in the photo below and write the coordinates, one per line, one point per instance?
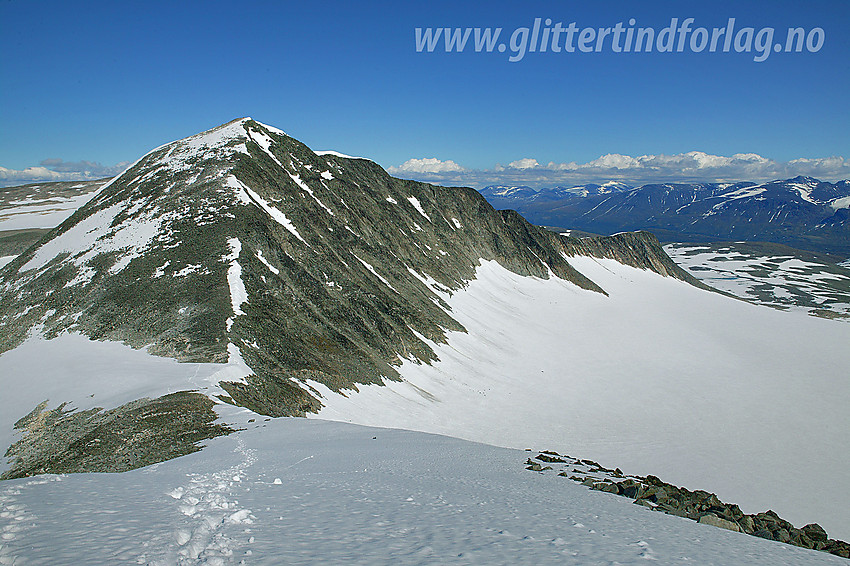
(212, 528)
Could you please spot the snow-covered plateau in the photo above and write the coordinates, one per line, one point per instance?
(657, 378)
(296, 491)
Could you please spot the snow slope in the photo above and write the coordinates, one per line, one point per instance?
(45, 209)
(86, 374)
(295, 491)
(658, 378)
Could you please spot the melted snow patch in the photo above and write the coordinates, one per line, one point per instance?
(241, 194)
(276, 214)
(238, 293)
(306, 188)
(843, 202)
(272, 268)
(746, 192)
(804, 191)
(262, 139)
(134, 237)
(189, 269)
(96, 235)
(80, 237)
(418, 206)
(373, 272)
(218, 143)
(431, 283)
(265, 142)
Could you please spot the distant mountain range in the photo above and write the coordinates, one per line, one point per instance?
(499, 193)
(801, 212)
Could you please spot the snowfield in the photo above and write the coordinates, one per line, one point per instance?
(781, 281)
(658, 378)
(296, 491)
(41, 212)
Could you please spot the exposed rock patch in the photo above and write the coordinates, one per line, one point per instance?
(697, 505)
(134, 435)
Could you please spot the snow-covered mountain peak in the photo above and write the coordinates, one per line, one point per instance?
(152, 261)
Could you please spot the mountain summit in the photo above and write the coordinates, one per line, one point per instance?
(240, 243)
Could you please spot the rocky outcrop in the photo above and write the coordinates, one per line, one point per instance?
(136, 434)
(636, 249)
(698, 505)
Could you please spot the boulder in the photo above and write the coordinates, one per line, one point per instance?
(631, 491)
(607, 487)
(670, 510)
(798, 538)
(715, 521)
(782, 535)
(815, 532)
(543, 457)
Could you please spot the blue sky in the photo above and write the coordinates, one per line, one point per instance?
(104, 82)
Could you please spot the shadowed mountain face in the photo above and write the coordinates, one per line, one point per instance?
(241, 241)
(802, 212)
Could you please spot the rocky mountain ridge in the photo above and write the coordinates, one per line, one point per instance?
(241, 242)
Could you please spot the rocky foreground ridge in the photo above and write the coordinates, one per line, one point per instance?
(697, 505)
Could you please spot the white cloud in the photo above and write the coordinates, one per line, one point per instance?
(30, 173)
(58, 170)
(693, 166)
(426, 165)
(614, 161)
(524, 163)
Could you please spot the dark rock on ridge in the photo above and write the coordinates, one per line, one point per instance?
(698, 505)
